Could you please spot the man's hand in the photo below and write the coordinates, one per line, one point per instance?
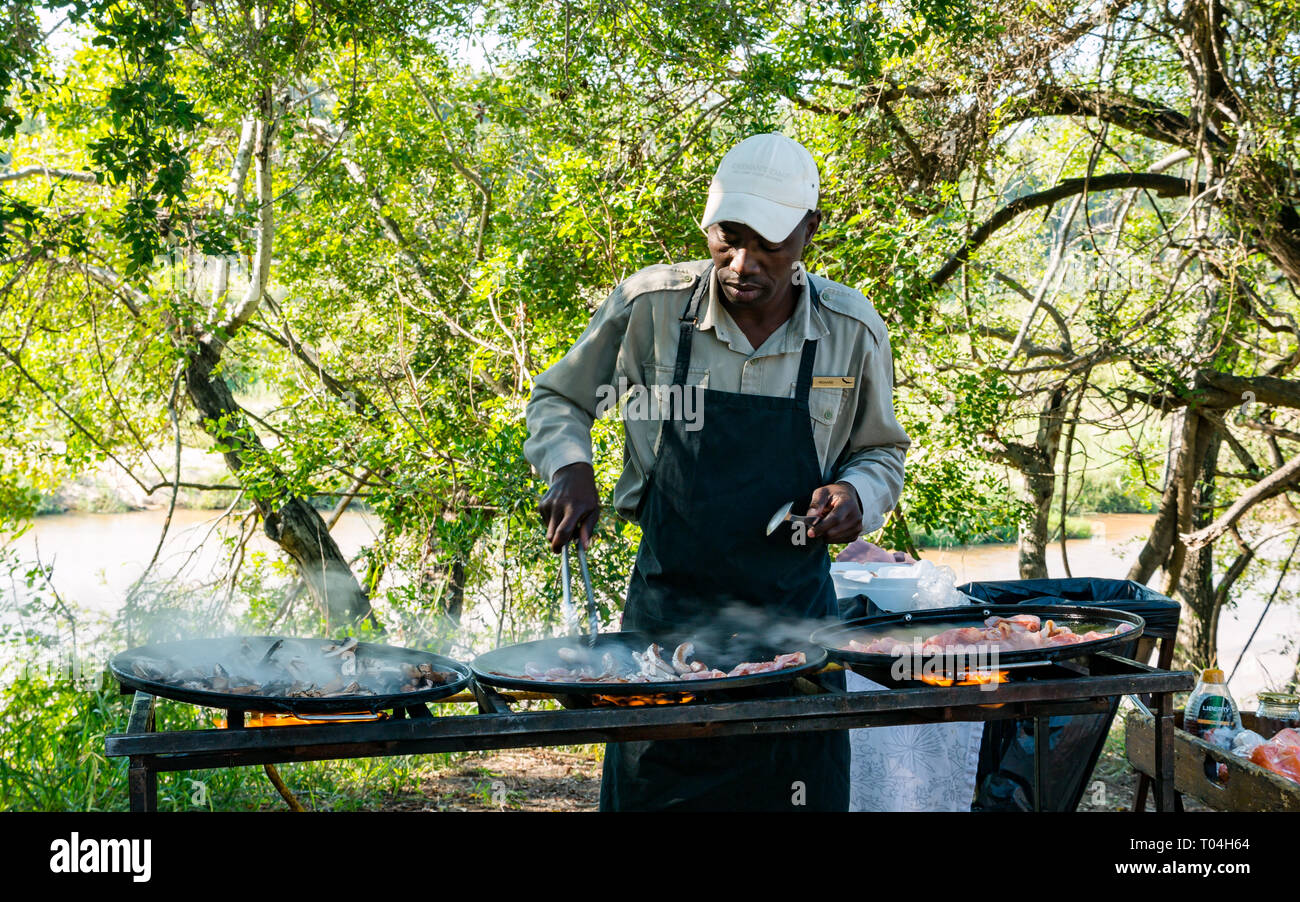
(838, 513)
(571, 501)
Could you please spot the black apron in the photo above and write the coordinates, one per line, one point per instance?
(703, 550)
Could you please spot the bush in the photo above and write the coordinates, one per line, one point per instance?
(52, 759)
(1004, 534)
(1104, 496)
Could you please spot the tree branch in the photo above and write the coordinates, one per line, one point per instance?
(27, 172)
(235, 195)
(393, 232)
(340, 389)
(1272, 485)
(1028, 348)
(1148, 118)
(132, 298)
(1234, 390)
(1162, 185)
(261, 271)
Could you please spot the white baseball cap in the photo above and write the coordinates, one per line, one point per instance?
(768, 182)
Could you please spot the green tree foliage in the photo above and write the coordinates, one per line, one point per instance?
(374, 223)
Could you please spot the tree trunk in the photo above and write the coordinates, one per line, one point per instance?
(1195, 579)
(299, 529)
(1038, 491)
(1155, 551)
(444, 579)
(289, 521)
(1039, 469)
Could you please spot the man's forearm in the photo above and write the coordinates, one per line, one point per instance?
(877, 475)
(559, 433)
(566, 396)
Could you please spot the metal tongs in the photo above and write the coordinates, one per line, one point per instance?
(570, 613)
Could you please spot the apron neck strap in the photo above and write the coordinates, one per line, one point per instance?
(809, 355)
(690, 316)
(806, 360)
(692, 311)
(687, 329)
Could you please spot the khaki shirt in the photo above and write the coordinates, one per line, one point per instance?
(632, 341)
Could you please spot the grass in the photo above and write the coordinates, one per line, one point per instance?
(492, 790)
(52, 759)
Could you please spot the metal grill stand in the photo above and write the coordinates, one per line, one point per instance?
(1083, 689)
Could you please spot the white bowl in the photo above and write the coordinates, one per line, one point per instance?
(850, 579)
(851, 566)
(892, 595)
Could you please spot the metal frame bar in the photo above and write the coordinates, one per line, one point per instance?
(1167, 796)
(142, 776)
(496, 726)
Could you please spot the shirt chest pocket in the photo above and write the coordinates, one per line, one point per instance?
(824, 403)
(663, 375)
(665, 400)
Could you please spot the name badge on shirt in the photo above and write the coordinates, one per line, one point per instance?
(833, 381)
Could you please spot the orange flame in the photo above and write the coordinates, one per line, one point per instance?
(974, 678)
(275, 719)
(641, 701)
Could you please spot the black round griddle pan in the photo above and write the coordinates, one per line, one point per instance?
(920, 625)
(504, 668)
(190, 653)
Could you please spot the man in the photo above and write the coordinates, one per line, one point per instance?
(793, 377)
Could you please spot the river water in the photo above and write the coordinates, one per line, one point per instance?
(96, 558)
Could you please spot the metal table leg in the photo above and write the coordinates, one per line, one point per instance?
(142, 779)
(1040, 759)
(490, 701)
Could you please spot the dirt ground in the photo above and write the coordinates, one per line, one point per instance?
(510, 780)
(1113, 785)
(562, 780)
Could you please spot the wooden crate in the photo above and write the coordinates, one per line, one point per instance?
(1248, 786)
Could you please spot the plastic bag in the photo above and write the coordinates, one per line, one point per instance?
(1223, 737)
(936, 587)
(1287, 737)
(1281, 754)
(1245, 743)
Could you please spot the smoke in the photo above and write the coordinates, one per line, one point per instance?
(262, 665)
(736, 631)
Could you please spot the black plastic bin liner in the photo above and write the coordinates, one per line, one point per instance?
(1005, 779)
(853, 607)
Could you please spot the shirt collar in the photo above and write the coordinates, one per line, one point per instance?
(804, 322)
